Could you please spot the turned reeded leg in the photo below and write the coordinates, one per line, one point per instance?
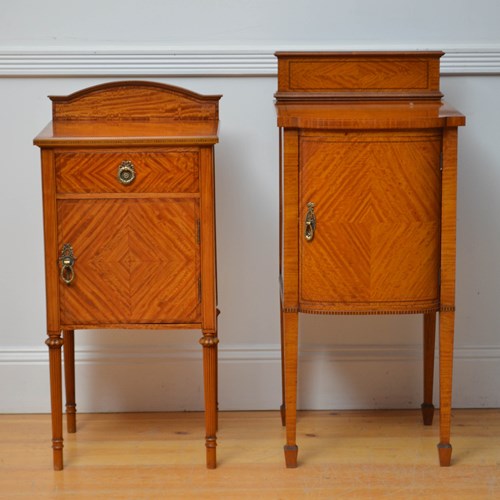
(69, 379)
(290, 335)
(429, 347)
(54, 343)
(282, 407)
(209, 342)
(446, 334)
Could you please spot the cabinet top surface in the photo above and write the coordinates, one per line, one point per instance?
(83, 133)
(360, 115)
(133, 112)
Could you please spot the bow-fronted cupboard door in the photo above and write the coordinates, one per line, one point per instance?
(367, 203)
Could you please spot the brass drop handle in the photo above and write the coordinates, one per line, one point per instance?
(310, 225)
(126, 172)
(67, 260)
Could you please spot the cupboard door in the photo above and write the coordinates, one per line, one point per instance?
(377, 208)
(137, 261)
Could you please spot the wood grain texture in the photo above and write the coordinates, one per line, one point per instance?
(207, 239)
(145, 252)
(449, 222)
(167, 171)
(447, 314)
(69, 379)
(377, 198)
(372, 146)
(50, 240)
(54, 342)
(114, 134)
(290, 193)
(131, 100)
(208, 289)
(344, 454)
(429, 338)
(290, 348)
(374, 75)
(446, 337)
(137, 261)
(362, 115)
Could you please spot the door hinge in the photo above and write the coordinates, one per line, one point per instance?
(199, 290)
(198, 231)
(441, 161)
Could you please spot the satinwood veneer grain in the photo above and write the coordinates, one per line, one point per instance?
(144, 250)
(368, 154)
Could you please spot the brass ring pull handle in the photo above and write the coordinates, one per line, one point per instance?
(310, 225)
(126, 172)
(67, 260)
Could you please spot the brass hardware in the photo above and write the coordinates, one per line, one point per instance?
(126, 172)
(310, 225)
(67, 260)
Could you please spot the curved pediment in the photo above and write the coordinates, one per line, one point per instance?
(135, 101)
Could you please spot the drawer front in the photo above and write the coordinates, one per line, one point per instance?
(173, 171)
(136, 261)
(377, 220)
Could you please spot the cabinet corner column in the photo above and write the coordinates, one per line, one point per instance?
(447, 290)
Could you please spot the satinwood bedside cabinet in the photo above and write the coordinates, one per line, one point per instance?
(367, 203)
(129, 225)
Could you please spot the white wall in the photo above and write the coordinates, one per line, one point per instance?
(223, 46)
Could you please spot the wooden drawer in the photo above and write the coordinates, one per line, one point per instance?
(167, 171)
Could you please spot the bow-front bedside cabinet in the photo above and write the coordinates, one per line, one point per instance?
(367, 202)
(129, 224)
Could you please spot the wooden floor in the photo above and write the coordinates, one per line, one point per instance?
(353, 454)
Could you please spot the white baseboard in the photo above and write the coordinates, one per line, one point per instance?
(156, 378)
(129, 62)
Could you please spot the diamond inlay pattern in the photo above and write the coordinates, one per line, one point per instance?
(137, 261)
(160, 172)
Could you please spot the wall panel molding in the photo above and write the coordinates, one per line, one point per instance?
(159, 377)
(126, 353)
(203, 62)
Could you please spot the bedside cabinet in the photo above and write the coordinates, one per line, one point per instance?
(129, 225)
(367, 203)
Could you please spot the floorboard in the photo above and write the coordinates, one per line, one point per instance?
(348, 454)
